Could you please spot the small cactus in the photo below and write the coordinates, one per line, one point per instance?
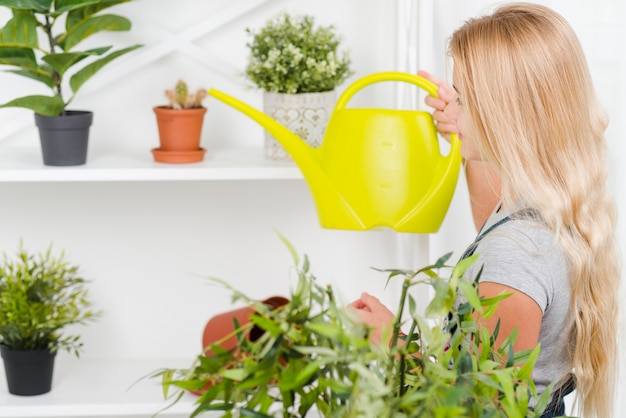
(180, 98)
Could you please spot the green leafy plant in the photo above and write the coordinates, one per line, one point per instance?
(38, 22)
(40, 295)
(315, 355)
(180, 98)
(292, 55)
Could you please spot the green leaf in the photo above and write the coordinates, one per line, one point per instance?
(234, 374)
(62, 61)
(266, 324)
(302, 377)
(527, 368)
(38, 5)
(327, 330)
(469, 327)
(257, 380)
(468, 290)
(90, 70)
(90, 26)
(290, 247)
(78, 15)
(463, 265)
(245, 412)
(41, 77)
(167, 379)
(319, 351)
(63, 6)
(20, 31)
(211, 407)
(491, 304)
(443, 301)
(18, 57)
(43, 105)
(544, 399)
(441, 262)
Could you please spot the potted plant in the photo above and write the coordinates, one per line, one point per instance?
(180, 126)
(298, 66)
(314, 355)
(40, 295)
(40, 42)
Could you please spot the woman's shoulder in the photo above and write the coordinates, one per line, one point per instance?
(523, 253)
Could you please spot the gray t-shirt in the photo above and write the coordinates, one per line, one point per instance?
(524, 255)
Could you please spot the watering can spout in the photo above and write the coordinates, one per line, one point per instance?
(302, 154)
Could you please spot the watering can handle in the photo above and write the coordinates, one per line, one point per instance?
(385, 76)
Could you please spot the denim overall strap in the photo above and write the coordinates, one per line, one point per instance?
(472, 247)
(520, 214)
(556, 407)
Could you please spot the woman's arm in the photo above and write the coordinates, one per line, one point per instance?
(517, 311)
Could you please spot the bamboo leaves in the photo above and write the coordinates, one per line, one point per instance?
(313, 354)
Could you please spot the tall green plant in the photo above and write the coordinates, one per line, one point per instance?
(33, 42)
(40, 295)
(315, 355)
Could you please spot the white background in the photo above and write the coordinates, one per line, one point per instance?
(147, 245)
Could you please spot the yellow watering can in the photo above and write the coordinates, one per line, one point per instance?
(375, 167)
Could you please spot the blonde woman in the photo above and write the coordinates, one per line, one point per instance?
(525, 107)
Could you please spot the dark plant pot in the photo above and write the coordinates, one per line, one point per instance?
(64, 138)
(28, 372)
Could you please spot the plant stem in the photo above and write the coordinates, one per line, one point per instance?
(396, 334)
(56, 77)
(398, 318)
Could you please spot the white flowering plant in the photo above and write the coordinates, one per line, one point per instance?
(290, 54)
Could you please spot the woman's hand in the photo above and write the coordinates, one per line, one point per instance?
(446, 108)
(375, 315)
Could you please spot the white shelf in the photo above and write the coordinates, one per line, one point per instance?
(88, 388)
(244, 163)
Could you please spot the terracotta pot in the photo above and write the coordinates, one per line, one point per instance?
(180, 132)
(222, 325)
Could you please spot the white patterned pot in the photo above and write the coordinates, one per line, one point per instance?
(305, 114)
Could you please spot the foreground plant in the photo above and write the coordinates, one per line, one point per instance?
(313, 355)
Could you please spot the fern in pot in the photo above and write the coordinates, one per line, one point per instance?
(314, 356)
(298, 65)
(40, 296)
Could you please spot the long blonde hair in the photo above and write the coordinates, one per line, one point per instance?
(531, 108)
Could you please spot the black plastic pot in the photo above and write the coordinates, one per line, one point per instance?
(28, 373)
(64, 139)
